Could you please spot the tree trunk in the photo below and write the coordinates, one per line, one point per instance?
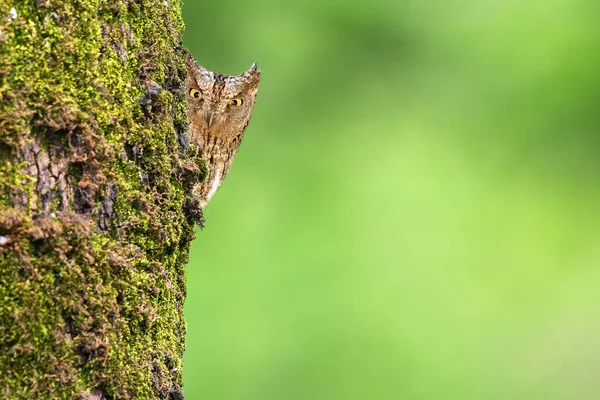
(96, 215)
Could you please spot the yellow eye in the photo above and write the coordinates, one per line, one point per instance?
(195, 93)
(236, 102)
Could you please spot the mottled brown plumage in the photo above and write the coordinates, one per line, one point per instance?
(219, 110)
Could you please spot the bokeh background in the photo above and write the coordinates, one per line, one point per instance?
(414, 212)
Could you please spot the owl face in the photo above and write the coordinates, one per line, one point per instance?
(220, 105)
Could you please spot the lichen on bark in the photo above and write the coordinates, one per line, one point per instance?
(96, 215)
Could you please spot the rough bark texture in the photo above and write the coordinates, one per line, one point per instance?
(96, 217)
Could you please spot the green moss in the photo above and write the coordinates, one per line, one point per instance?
(83, 309)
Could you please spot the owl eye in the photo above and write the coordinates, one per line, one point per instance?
(236, 102)
(195, 93)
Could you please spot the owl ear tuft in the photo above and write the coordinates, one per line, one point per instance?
(253, 69)
(190, 62)
(252, 76)
(193, 66)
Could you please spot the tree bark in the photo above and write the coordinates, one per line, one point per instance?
(96, 212)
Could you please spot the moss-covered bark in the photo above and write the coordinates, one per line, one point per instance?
(95, 215)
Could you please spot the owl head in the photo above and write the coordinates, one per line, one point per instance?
(220, 105)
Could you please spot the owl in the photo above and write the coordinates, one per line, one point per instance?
(219, 110)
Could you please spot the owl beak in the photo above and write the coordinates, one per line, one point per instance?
(209, 119)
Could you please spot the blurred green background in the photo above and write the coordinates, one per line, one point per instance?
(413, 213)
